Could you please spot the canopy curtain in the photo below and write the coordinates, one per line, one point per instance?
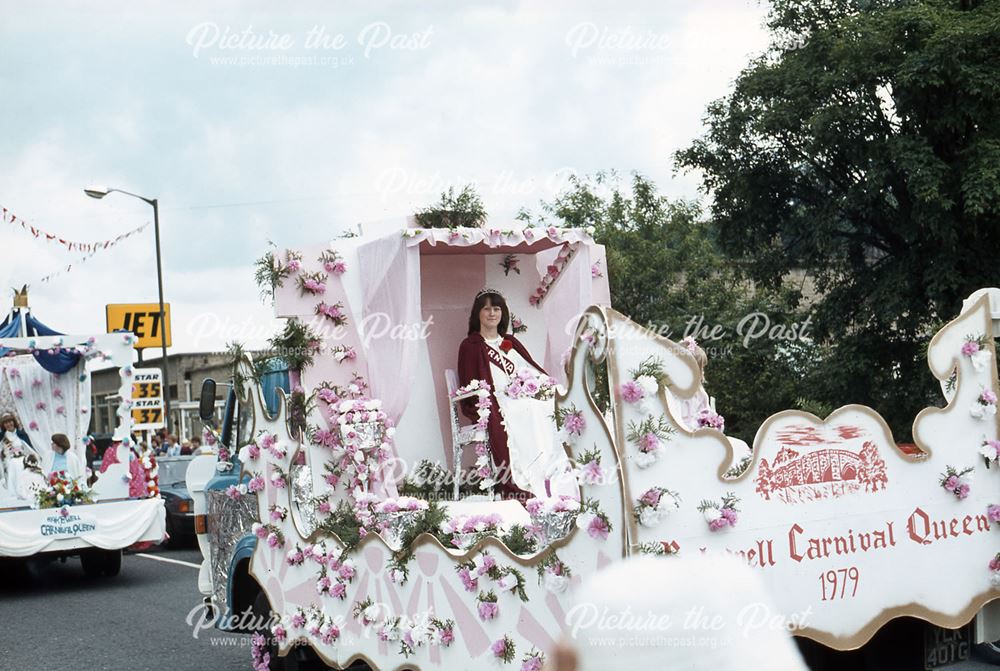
(45, 403)
(390, 275)
(58, 362)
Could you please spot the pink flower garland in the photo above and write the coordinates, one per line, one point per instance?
(554, 270)
(312, 284)
(333, 262)
(334, 313)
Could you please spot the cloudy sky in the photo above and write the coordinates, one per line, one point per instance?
(252, 123)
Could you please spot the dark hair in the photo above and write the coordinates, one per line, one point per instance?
(495, 300)
(61, 440)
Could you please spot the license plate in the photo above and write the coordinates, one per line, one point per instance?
(946, 646)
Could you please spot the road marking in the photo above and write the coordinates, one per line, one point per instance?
(168, 560)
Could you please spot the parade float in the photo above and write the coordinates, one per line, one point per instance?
(45, 385)
(315, 518)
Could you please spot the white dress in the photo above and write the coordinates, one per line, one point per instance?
(13, 450)
(535, 455)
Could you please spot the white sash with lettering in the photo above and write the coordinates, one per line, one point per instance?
(500, 361)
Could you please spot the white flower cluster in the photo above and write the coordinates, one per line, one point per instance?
(371, 405)
(651, 516)
(981, 360)
(555, 583)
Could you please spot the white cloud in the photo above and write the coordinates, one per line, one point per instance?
(497, 98)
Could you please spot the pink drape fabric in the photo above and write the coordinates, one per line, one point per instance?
(390, 272)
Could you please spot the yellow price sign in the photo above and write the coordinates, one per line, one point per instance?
(146, 390)
(145, 416)
(142, 319)
(147, 399)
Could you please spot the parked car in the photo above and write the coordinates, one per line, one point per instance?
(175, 495)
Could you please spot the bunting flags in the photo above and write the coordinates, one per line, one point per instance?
(89, 248)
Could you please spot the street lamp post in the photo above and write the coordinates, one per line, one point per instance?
(99, 192)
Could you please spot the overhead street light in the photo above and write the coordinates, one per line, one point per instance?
(99, 192)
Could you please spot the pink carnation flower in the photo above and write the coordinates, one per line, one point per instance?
(499, 648)
(489, 563)
(532, 664)
(632, 392)
(592, 473)
(650, 498)
(598, 528)
(717, 524)
(330, 634)
(471, 584)
(993, 512)
(575, 423)
(488, 610)
(313, 286)
(649, 442)
(970, 348)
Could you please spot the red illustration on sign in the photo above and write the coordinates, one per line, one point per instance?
(801, 474)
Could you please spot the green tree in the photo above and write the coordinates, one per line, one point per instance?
(464, 209)
(864, 148)
(666, 272)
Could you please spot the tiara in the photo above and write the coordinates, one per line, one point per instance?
(488, 290)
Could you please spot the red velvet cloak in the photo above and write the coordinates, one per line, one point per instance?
(474, 364)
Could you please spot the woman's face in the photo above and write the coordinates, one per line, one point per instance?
(8, 425)
(490, 315)
(58, 448)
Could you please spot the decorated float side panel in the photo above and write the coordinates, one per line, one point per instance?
(843, 526)
(458, 597)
